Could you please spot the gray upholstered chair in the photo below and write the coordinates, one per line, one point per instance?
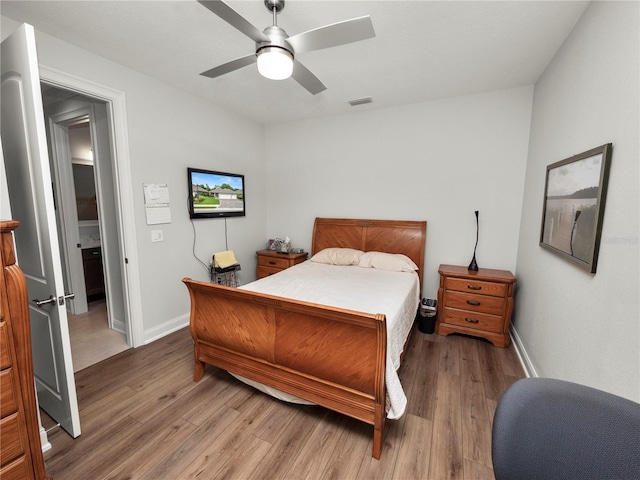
(552, 429)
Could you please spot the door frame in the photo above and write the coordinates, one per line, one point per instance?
(65, 195)
(116, 110)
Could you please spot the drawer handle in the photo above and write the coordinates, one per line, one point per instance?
(271, 262)
(470, 320)
(473, 302)
(474, 287)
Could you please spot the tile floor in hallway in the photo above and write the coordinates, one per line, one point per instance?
(91, 339)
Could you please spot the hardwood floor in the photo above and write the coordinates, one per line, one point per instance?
(143, 417)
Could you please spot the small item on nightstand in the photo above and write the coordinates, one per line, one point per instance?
(285, 246)
(473, 266)
(279, 245)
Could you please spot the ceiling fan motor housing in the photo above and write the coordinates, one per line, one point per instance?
(277, 38)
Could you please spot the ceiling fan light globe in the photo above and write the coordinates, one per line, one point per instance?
(275, 63)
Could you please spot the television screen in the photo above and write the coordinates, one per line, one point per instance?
(215, 194)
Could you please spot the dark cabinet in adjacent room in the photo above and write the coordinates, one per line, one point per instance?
(93, 273)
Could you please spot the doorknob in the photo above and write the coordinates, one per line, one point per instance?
(67, 296)
(52, 299)
(42, 303)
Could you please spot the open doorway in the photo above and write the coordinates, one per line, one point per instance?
(79, 132)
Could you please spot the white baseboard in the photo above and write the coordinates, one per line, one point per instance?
(525, 361)
(166, 328)
(44, 440)
(119, 326)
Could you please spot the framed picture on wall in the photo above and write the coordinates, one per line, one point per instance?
(574, 197)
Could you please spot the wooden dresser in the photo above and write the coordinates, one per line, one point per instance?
(270, 262)
(475, 303)
(21, 453)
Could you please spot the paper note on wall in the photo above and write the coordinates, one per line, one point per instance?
(155, 193)
(156, 203)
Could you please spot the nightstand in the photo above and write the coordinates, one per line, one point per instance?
(270, 262)
(476, 303)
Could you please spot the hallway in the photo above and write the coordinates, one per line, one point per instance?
(91, 339)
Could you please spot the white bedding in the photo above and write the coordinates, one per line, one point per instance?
(369, 290)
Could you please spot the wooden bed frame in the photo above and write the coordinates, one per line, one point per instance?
(329, 356)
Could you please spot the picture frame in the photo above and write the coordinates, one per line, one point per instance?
(574, 198)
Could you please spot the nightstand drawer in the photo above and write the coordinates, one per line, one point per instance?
(476, 286)
(474, 303)
(273, 262)
(479, 321)
(262, 272)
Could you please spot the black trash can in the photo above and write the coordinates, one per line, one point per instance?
(427, 315)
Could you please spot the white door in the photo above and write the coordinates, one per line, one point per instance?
(31, 198)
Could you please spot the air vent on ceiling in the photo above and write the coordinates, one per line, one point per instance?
(360, 101)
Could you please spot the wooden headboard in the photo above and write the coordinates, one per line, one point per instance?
(391, 236)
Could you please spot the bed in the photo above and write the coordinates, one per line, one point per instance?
(332, 356)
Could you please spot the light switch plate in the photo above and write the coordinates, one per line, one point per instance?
(156, 236)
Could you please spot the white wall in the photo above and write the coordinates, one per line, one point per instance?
(168, 131)
(574, 325)
(436, 161)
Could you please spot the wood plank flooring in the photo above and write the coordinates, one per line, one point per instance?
(143, 417)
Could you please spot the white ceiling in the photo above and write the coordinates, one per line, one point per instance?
(423, 50)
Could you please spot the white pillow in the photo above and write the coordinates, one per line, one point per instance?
(337, 256)
(395, 262)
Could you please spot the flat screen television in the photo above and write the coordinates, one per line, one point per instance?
(215, 194)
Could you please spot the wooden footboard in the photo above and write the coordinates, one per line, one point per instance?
(329, 356)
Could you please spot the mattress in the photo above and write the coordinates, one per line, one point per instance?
(368, 290)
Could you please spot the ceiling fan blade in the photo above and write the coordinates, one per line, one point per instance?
(230, 66)
(340, 33)
(308, 80)
(233, 18)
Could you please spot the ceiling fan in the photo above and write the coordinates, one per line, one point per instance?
(276, 51)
